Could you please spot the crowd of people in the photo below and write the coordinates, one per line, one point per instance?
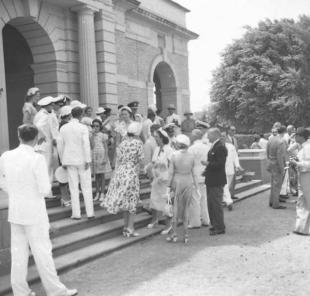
(192, 169)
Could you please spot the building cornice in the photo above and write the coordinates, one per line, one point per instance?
(164, 22)
(176, 4)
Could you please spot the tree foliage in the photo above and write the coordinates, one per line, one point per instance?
(265, 77)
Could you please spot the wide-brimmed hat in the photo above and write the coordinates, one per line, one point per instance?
(171, 107)
(100, 110)
(46, 101)
(32, 91)
(65, 111)
(188, 112)
(76, 103)
(125, 108)
(182, 139)
(61, 175)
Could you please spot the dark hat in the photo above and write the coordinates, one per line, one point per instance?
(120, 106)
(107, 110)
(133, 104)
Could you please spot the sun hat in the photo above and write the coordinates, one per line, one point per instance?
(61, 175)
(125, 108)
(100, 110)
(76, 103)
(32, 91)
(46, 101)
(65, 111)
(182, 139)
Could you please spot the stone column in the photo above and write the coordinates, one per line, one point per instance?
(87, 56)
(4, 129)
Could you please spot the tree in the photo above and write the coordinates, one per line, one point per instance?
(265, 77)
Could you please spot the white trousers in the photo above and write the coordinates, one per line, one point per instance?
(198, 209)
(227, 196)
(76, 175)
(37, 237)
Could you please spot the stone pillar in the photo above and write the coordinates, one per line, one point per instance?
(87, 56)
(4, 129)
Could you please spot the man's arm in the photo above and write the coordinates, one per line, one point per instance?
(219, 159)
(3, 184)
(41, 174)
(281, 156)
(86, 144)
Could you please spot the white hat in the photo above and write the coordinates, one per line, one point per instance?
(59, 99)
(61, 175)
(153, 108)
(100, 110)
(65, 111)
(32, 91)
(125, 108)
(76, 103)
(164, 133)
(182, 139)
(134, 128)
(46, 101)
(87, 121)
(171, 106)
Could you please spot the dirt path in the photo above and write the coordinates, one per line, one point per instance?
(258, 256)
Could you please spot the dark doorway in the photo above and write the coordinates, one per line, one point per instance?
(157, 91)
(19, 77)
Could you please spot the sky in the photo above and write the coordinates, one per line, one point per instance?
(219, 22)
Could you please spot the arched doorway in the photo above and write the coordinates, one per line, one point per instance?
(19, 77)
(165, 92)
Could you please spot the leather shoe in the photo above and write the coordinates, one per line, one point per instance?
(216, 232)
(71, 292)
(230, 207)
(279, 208)
(91, 218)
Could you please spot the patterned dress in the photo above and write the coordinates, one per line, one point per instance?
(124, 189)
(99, 154)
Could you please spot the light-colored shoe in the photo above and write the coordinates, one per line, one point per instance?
(71, 292)
(32, 294)
(97, 197)
(102, 196)
(166, 231)
(152, 225)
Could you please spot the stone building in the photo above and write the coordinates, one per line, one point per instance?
(103, 52)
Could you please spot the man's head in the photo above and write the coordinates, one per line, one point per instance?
(28, 134)
(231, 131)
(196, 135)
(281, 130)
(171, 109)
(214, 134)
(134, 106)
(188, 114)
(302, 135)
(77, 113)
(290, 129)
(276, 125)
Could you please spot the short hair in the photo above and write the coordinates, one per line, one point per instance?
(256, 138)
(77, 112)
(27, 132)
(215, 130)
(303, 132)
(88, 108)
(281, 129)
(154, 127)
(96, 120)
(163, 137)
(197, 133)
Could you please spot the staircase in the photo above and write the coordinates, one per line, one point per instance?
(76, 242)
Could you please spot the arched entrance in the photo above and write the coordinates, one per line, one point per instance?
(165, 92)
(19, 77)
(29, 60)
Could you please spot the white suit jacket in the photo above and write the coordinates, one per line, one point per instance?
(24, 176)
(73, 144)
(232, 159)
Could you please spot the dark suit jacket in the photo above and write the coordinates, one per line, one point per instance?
(215, 171)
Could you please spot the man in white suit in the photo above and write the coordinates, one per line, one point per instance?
(74, 152)
(48, 132)
(198, 210)
(24, 175)
(231, 166)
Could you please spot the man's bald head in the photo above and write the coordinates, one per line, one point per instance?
(196, 134)
(214, 134)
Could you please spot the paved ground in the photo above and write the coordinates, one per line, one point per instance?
(258, 256)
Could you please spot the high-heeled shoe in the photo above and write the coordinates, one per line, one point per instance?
(102, 196)
(97, 197)
(167, 230)
(152, 225)
(172, 238)
(65, 203)
(131, 233)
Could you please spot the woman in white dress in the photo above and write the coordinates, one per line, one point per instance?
(160, 175)
(29, 110)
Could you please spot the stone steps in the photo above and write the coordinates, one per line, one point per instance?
(77, 242)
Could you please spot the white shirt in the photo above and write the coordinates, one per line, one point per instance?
(304, 157)
(173, 117)
(200, 152)
(232, 159)
(24, 176)
(73, 144)
(263, 143)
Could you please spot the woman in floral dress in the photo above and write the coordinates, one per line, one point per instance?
(100, 159)
(124, 189)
